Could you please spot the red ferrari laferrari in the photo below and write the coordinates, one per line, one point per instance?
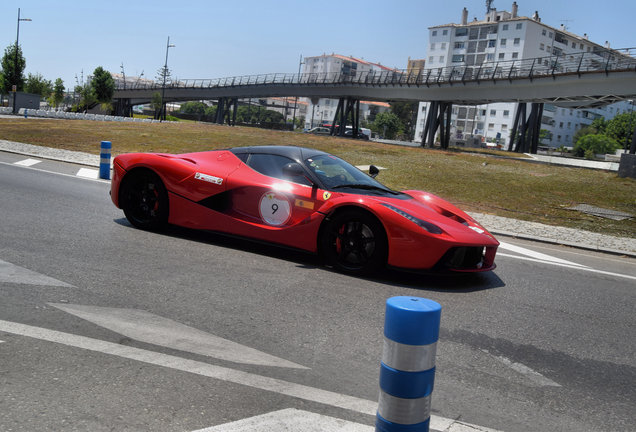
(305, 199)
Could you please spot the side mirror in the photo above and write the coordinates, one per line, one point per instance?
(373, 171)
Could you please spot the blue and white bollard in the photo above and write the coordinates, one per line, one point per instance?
(104, 160)
(407, 371)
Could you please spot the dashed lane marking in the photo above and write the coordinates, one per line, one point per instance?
(88, 173)
(28, 162)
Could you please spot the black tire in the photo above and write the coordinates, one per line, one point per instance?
(354, 241)
(144, 199)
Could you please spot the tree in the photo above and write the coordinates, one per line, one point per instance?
(12, 75)
(595, 144)
(386, 124)
(407, 114)
(58, 93)
(103, 86)
(621, 127)
(87, 97)
(156, 104)
(36, 84)
(586, 130)
(193, 108)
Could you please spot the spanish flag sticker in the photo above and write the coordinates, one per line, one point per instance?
(305, 204)
(326, 195)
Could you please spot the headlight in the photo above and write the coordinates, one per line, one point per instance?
(427, 226)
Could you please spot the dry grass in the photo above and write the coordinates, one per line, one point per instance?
(479, 182)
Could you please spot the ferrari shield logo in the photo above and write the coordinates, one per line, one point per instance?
(326, 195)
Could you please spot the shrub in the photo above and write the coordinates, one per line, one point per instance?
(596, 143)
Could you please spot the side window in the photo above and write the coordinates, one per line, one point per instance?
(272, 166)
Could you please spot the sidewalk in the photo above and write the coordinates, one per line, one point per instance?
(495, 224)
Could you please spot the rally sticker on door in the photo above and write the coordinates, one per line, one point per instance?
(274, 208)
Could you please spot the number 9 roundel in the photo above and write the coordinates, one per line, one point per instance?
(274, 208)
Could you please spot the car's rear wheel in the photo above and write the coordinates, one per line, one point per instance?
(354, 241)
(144, 200)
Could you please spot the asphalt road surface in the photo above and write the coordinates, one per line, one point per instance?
(106, 327)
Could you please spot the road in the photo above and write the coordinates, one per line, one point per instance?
(106, 327)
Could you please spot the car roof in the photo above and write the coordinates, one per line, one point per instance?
(296, 153)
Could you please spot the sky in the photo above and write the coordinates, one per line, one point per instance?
(68, 39)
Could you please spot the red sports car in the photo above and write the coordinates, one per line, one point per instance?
(305, 199)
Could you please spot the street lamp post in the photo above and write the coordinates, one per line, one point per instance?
(163, 87)
(296, 104)
(15, 64)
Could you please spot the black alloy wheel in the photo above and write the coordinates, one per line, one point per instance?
(355, 242)
(144, 200)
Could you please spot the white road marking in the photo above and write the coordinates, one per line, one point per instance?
(11, 273)
(60, 174)
(146, 327)
(298, 391)
(290, 420)
(576, 266)
(537, 255)
(88, 173)
(28, 162)
(528, 372)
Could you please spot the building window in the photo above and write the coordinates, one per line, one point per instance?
(504, 27)
(431, 59)
(543, 32)
(491, 126)
(443, 45)
(493, 112)
(542, 47)
(492, 43)
(482, 113)
(461, 31)
(434, 33)
(444, 32)
(519, 26)
(515, 55)
(441, 59)
(502, 56)
(459, 45)
(504, 127)
(550, 35)
(490, 57)
(517, 41)
(574, 45)
(502, 42)
(506, 113)
(581, 47)
(458, 58)
(432, 47)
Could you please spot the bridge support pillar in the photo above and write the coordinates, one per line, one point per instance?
(348, 108)
(226, 111)
(123, 107)
(438, 118)
(526, 129)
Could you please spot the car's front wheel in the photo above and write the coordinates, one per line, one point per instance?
(144, 200)
(354, 241)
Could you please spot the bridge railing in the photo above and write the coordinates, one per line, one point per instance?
(551, 65)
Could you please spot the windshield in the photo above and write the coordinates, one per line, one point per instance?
(335, 173)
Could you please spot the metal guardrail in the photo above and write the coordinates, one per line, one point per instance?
(553, 65)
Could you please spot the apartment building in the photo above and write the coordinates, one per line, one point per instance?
(506, 36)
(323, 110)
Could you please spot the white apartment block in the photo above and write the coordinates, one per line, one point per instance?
(323, 110)
(505, 36)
